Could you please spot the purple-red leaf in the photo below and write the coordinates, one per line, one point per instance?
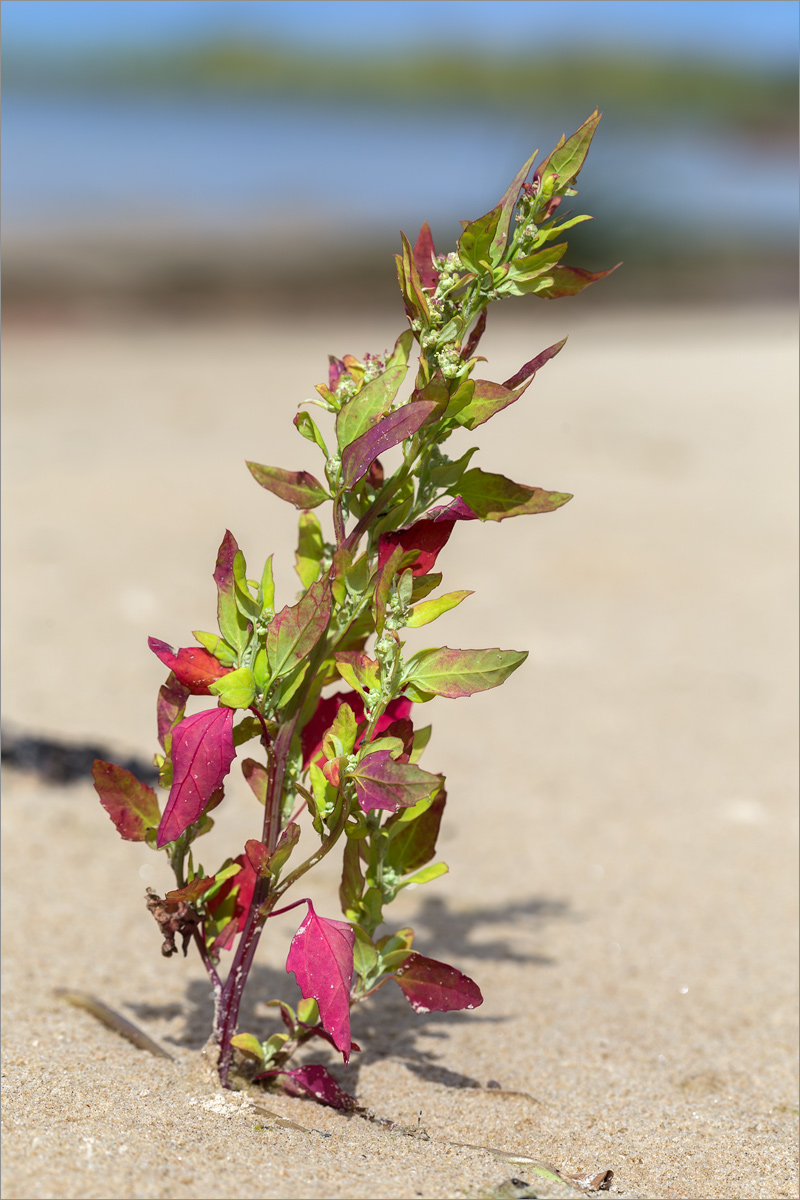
(424, 255)
(429, 536)
(383, 783)
(172, 697)
(456, 510)
(321, 960)
(192, 891)
(478, 331)
(202, 753)
(526, 373)
(257, 777)
(298, 487)
(132, 805)
(295, 631)
(192, 666)
(388, 432)
(568, 281)
(316, 1081)
(432, 986)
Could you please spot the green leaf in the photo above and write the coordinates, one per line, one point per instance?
(261, 669)
(375, 398)
(359, 670)
(249, 1045)
(427, 874)
(237, 689)
(383, 583)
(493, 497)
(352, 882)
(232, 624)
(310, 549)
(295, 631)
(412, 835)
(424, 585)
(455, 673)
(345, 728)
(569, 156)
(266, 593)
(248, 607)
(298, 487)
(421, 739)
(304, 424)
(365, 956)
(429, 610)
(216, 646)
(476, 240)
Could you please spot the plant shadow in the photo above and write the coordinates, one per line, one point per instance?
(386, 1026)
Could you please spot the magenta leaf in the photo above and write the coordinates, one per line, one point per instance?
(321, 960)
(383, 783)
(489, 398)
(389, 431)
(295, 631)
(455, 673)
(432, 986)
(192, 666)
(320, 723)
(132, 805)
(568, 281)
(494, 497)
(316, 1081)
(298, 487)
(424, 255)
(202, 753)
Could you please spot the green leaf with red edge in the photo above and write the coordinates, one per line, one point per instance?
(202, 753)
(294, 631)
(131, 804)
(456, 673)
(508, 203)
(232, 625)
(490, 398)
(257, 777)
(494, 497)
(432, 986)
(359, 670)
(416, 302)
(383, 583)
(381, 782)
(170, 707)
(413, 842)
(321, 960)
(568, 281)
(299, 488)
(570, 154)
(249, 1044)
(192, 891)
(307, 427)
(284, 848)
(532, 275)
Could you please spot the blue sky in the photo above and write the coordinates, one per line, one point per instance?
(758, 31)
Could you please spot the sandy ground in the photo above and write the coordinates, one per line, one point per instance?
(621, 829)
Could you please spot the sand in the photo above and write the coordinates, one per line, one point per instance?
(621, 828)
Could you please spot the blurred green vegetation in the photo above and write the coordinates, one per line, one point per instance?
(662, 90)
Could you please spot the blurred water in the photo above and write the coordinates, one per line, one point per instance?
(217, 163)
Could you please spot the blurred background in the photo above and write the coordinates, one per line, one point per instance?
(244, 155)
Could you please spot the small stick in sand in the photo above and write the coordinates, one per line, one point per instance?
(113, 1020)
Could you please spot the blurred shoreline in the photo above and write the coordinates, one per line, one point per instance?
(95, 273)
